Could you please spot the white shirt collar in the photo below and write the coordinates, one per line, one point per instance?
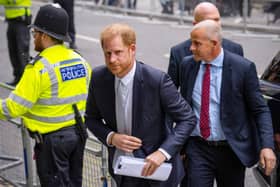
(129, 76)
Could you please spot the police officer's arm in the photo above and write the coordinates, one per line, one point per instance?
(24, 96)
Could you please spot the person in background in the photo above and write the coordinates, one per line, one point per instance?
(132, 4)
(167, 6)
(202, 11)
(126, 109)
(49, 96)
(241, 6)
(68, 5)
(18, 17)
(234, 127)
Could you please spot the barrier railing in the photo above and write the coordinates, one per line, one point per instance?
(95, 171)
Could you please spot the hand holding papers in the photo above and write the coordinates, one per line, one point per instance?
(130, 166)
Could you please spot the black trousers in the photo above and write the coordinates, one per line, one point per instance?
(59, 159)
(209, 162)
(68, 5)
(18, 44)
(124, 181)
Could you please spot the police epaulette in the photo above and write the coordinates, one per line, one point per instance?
(76, 51)
(35, 59)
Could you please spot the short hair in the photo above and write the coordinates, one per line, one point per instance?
(213, 29)
(126, 32)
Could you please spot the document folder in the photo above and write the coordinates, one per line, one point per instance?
(131, 166)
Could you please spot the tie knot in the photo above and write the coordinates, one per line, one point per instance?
(207, 65)
(122, 88)
(120, 83)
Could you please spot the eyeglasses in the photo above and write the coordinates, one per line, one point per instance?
(33, 32)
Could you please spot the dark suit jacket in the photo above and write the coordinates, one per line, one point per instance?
(241, 103)
(179, 51)
(154, 96)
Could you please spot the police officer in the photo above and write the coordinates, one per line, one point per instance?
(56, 79)
(68, 5)
(18, 17)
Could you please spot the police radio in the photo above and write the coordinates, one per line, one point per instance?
(80, 126)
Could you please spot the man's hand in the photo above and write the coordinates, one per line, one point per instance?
(153, 161)
(125, 142)
(267, 160)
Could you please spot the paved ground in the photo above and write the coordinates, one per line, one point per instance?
(5, 183)
(259, 21)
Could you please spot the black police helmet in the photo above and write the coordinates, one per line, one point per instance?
(52, 20)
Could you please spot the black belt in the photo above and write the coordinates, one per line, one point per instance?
(210, 143)
(39, 138)
(62, 129)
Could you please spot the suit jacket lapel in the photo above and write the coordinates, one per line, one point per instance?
(137, 96)
(109, 94)
(190, 78)
(226, 87)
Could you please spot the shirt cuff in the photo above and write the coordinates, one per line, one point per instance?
(108, 138)
(165, 153)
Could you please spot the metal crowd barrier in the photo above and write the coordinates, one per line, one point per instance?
(20, 169)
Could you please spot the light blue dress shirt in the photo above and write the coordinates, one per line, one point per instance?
(216, 132)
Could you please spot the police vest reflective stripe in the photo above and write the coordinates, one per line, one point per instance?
(6, 112)
(54, 100)
(68, 100)
(53, 119)
(16, 7)
(16, 99)
(21, 100)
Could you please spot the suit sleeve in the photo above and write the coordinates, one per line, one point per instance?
(180, 112)
(258, 108)
(93, 119)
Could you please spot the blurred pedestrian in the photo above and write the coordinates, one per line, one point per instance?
(113, 2)
(68, 5)
(241, 8)
(167, 6)
(126, 109)
(18, 17)
(49, 96)
(234, 128)
(132, 4)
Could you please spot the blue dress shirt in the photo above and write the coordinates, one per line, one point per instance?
(216, 132)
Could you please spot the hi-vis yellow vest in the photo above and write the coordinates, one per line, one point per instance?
(16, 8)
(57, 78)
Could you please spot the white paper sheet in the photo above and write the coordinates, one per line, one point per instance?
(131, 166)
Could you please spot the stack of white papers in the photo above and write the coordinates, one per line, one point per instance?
(131, 166)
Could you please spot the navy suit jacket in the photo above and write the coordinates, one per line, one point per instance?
(245, 117)
(154, 96)
(181, 50)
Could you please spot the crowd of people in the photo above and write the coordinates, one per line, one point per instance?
(214, 127)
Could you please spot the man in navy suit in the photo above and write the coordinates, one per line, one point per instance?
(202, 11)
(234, 128)
(135, 125)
